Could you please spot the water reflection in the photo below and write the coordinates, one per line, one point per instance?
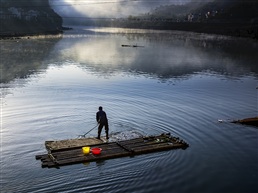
(61, 103)
(164, 55)
(21, 58)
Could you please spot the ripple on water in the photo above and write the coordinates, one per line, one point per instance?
(177, 96)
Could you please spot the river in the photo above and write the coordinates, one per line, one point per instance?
(191, 85)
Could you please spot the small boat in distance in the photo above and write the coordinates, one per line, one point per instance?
(134, 46)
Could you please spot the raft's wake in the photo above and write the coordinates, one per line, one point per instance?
(124, 135)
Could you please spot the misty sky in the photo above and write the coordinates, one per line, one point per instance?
(107, 8)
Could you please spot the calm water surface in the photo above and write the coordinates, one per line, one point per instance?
(181, 83)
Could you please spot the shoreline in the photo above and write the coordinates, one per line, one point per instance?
(241, 30)
(16, 36)
(20, 35)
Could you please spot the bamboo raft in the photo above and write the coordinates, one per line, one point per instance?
(68, 152)
(248, 121)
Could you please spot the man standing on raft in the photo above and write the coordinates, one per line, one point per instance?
(101, 118)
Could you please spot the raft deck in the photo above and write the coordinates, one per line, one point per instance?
(72, 143)
(67, 155)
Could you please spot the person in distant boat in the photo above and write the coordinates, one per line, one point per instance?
(101, 118)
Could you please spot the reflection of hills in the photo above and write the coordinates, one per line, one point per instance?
(19, 59)
(166, 55)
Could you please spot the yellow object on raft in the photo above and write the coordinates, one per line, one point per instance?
(86, 150)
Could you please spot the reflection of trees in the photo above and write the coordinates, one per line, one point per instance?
(172, 55)
(19, 59)
(164, 55)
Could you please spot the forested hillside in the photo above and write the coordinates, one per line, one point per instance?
(27, 17)
(220, 11)
(229, 17)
